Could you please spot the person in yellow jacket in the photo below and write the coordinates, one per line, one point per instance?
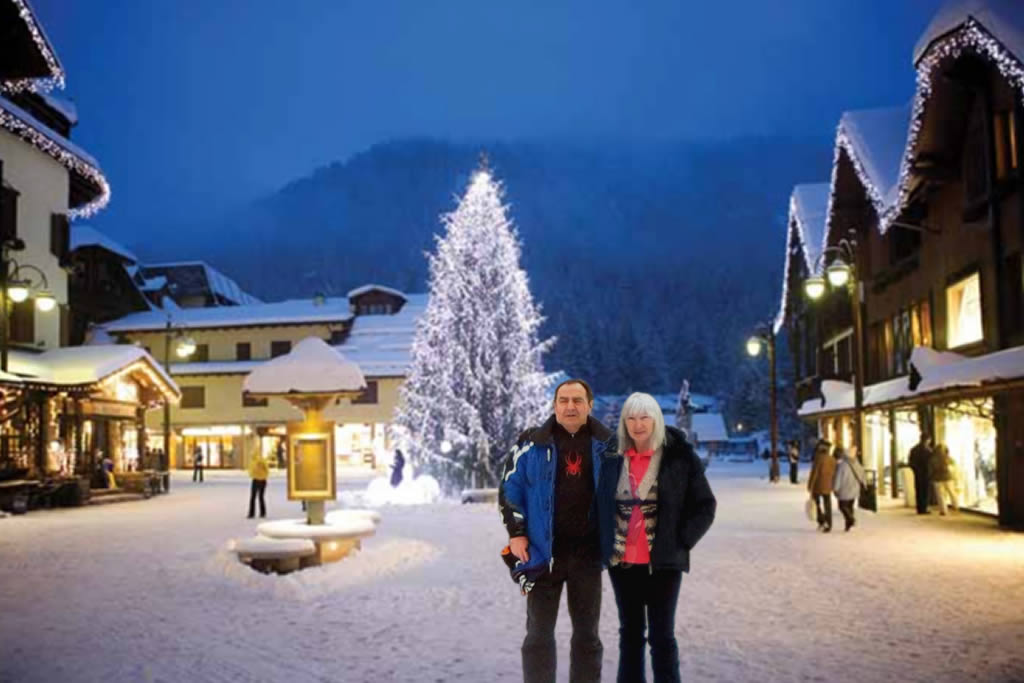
(259, 470)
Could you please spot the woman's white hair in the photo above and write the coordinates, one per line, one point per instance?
(641, 404)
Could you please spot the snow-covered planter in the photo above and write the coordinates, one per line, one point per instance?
(279, 555)
(333, 541)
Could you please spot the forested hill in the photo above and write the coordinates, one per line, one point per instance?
(651, 261)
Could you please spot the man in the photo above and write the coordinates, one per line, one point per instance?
(259, 470)
(794, 461)
(920, 456)
(197, 464)
(546, 500)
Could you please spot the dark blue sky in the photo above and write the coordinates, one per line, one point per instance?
(193, 106)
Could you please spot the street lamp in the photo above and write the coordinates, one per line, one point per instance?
(765, 336)
(184, 347)
(17, 283)
(839, 274)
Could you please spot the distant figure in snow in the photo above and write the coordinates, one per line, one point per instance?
(197, 464)
(793, 453)
(108, 472)
(847, 483)
(396, 468)
(920, 456)
(819, 484)
(259, 470)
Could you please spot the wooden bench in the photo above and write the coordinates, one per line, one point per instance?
(278, 555)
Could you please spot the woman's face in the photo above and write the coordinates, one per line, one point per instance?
(639, 428)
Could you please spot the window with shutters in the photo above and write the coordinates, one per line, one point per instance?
(193, 397)
(23, 322)
(8, 212)
(60, 235)
(279, 348)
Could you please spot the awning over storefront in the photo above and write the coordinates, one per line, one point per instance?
(933, 374)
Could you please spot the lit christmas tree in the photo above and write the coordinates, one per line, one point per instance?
(476, 379)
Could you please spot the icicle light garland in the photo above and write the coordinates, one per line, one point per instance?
(801, 230)
(67, 159)
(56, 80)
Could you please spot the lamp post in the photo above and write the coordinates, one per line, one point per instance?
(765, 336)
(17, 283)
(184, 348)
(842, 273)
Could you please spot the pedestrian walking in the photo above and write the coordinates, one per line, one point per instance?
(819, 484)
(920, 457)
(197, 464)
(847, 483)
(259, 470)
(396, 468)
(653, 505)
(942, 473)
(546, 498)
(793, 454)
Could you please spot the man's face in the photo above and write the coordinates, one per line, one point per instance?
(572, 407)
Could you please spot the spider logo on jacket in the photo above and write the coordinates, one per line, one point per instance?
(574, 464)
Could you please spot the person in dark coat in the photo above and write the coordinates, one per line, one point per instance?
(654, 504)
(396, 468)
(920, 457)
(197, 464)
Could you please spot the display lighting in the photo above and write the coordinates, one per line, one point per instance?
(45, 84)
(71, 161)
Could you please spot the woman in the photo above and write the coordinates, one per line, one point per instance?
(941, 472)
(819, 484)
(654, 504)
(847, 483)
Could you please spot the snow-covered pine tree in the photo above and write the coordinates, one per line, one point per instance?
(476, 379)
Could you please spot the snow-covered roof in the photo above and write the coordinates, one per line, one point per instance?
(291, 312)
(874, 139)
(217, 282)
(370, 288)
(707, 427)
(19, 122)
(66, 108)
(808, 210)
(76, 365)
(382, 344)
(153, 284)
(87, 236)
(939, 371)
(1004, 19)
(55, 77)
(312, 367)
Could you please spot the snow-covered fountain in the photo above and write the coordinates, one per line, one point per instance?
(311, 377)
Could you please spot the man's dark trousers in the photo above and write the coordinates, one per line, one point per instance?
(197, 473)
(582, 578)
(921, 489)
(258, 488)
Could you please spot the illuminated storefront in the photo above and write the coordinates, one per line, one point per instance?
(222, 446)
(968, 430)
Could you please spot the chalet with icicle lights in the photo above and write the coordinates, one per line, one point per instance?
(63, 409)
(926, 202)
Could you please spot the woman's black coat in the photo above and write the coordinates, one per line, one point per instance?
(686, 505)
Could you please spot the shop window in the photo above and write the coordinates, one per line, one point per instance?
(963, 312)
(253, 402)
(280, 348)
(369, 394)
(201, 354)
(1004, 128)
(243, 351)
(193, 397)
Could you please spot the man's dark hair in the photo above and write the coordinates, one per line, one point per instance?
(582, 383)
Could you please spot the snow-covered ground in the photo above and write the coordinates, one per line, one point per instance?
(144, 592)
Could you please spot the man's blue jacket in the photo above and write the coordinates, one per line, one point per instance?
(526, 497)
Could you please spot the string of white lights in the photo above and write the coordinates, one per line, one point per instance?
(67, 159)
(45, 84)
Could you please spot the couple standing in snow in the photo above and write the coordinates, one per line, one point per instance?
(576, 498)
